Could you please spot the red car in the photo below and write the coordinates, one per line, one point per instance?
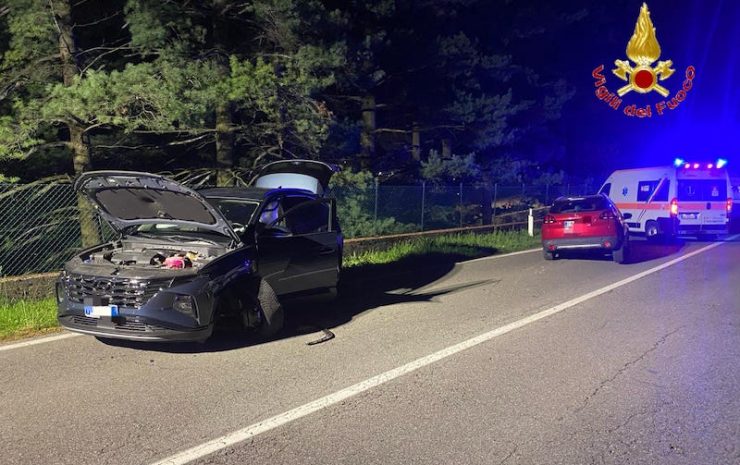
(585, 223)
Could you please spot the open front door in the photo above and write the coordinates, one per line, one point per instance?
(299, 244)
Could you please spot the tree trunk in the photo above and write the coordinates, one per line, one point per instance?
(224, 146)
(367, 138)
(446, 149)
(224, 119)
(62, 11)
(415, 142)
(282, 129)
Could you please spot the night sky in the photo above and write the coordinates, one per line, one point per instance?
(705, 126)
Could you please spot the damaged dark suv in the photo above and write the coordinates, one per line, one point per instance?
(184, 260)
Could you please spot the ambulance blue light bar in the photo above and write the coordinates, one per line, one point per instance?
(679, 162)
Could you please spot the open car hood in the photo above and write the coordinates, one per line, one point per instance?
(128, 198)
(310, 175)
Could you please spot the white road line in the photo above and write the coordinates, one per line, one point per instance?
(271, 423)
(40, 340)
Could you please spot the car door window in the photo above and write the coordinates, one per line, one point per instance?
(234, 210)
(305, 215)
(297, 215)
(271, 212)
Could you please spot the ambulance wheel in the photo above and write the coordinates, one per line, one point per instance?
(652, 231)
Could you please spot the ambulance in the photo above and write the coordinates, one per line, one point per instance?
(688, 198)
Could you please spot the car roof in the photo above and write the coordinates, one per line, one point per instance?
(250, 193)
(571, 198)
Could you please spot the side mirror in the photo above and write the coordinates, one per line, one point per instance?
(627, 216)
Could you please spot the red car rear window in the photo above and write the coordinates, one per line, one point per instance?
(587, 204)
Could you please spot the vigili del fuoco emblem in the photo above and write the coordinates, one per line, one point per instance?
(643, 49)
(642, 77)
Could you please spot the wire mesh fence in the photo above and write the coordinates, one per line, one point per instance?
(40, 227)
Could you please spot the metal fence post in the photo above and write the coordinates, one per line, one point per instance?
(495, 195)
(461, 204)
(375, 212)
(423, 200)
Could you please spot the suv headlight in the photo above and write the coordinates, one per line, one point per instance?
(185, 304)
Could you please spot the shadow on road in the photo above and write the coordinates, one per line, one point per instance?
(641, 250)
(362, 289)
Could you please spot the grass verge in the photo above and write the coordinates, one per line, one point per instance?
(464, 245)
(21, 318)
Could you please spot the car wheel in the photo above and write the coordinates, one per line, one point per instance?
(548, 255)
(270, 311)
(621, 255)
(652, 231)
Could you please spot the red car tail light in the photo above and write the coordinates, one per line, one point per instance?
(607, 215)
(674, 207)
(729, 205)
(549, 219)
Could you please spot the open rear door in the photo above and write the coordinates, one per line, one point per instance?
(309, 175)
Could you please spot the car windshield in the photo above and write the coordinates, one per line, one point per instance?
(236, 211)
(586, 204)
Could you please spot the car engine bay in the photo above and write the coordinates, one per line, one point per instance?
(149, 255)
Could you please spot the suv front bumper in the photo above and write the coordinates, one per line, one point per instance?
(134, 329)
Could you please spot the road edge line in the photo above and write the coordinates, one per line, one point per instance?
(41, 340)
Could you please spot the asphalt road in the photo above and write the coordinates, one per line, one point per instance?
(646, 372)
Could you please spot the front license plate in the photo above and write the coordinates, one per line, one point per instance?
(96, 311)
(568, 225)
